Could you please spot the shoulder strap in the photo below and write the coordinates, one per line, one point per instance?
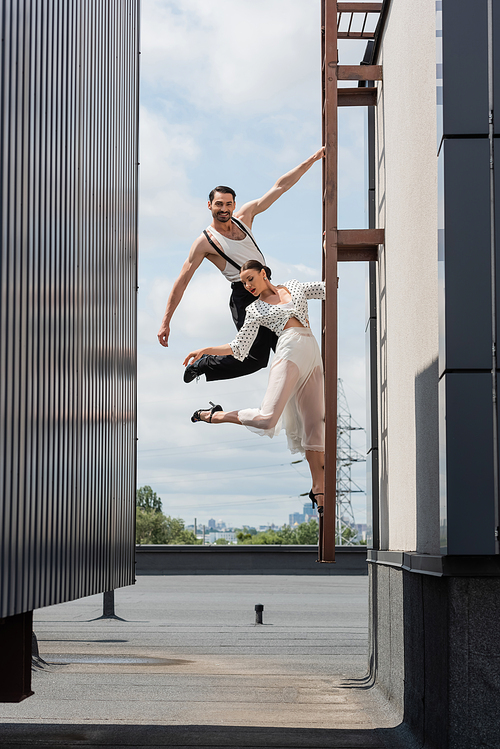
(221, 253)
(245, 230)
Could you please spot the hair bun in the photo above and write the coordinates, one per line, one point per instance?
(268, 272)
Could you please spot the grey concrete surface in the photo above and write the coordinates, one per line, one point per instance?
(209, 676)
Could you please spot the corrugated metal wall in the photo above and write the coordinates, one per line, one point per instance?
(68, 171)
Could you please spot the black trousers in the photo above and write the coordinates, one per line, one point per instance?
(227, 367)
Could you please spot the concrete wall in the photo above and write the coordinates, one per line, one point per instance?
(406, 204)
(247, 560)
(435, 649)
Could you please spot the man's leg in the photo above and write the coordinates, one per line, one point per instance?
(227, 367)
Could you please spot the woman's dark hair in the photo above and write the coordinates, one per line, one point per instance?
(223, 189)
(255, 265)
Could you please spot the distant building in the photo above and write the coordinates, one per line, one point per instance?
(220, 525)
(212, 523)
(361, 529)
(309, 512)
(295, 518)
(214, 536)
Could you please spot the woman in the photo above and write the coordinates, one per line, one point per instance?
(295, 390)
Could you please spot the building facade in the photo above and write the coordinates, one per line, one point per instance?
(434, 566)
(68, 146)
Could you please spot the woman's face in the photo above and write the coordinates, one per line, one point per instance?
(253, 281)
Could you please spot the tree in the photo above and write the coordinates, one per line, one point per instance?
(305, 533)
(150, 526)
(145, 497)
(153, 527)
(348, 534)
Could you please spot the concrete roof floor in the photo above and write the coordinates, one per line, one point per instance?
(187, 666)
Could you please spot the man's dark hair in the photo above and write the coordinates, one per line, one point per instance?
(222, 189)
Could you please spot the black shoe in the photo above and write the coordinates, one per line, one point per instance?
(193, 371)
(196, 416)
(314, 501)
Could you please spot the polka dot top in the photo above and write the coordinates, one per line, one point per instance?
(276, 316)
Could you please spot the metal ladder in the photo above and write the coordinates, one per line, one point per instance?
(349, 245)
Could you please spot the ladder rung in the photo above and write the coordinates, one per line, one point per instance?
(357, 254)
(356, 35)
(357, 97)
(359, 72)
(357, 7)
(359, 239)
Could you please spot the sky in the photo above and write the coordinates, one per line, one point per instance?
(230, 94)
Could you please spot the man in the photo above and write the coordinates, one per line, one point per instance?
(228, 243)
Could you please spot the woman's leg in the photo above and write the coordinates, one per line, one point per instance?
(283, 378)
(316, 462)
(311, 405)
(282, 382)
(220, 417)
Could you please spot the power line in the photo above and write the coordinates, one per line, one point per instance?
(180, 479)
(211, 506)
(209, 447)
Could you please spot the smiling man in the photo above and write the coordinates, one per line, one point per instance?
(228, 243)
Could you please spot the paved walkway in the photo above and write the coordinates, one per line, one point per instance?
(188, 667)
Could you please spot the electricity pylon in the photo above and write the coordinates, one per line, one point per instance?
(346, 456)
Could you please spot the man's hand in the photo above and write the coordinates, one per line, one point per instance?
(164, 333)
(196, 255)
(318, 155)
(248, 212)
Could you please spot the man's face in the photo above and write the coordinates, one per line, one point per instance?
(222, 206)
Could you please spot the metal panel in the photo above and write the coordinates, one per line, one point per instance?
(466, 475)
(68, 171)
(468, 270)
(466, 327)
(465, 67)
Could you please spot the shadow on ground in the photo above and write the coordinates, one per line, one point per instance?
(51, 736)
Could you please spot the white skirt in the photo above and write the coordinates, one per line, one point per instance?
(294, 397)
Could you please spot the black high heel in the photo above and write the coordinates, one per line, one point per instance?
(196, 416)
(314, 501)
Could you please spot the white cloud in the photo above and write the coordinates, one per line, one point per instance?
(168, 211)
(230, 94)
(224, 57)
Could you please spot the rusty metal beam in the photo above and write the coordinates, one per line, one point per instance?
(357, 97)
(356, 245)
(359, 72)
(356, 255)
(356, 35)
(355, 7)
(330, 167)
(360, 238)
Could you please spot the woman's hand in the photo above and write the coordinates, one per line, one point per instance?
(224, 350)
(194, 355)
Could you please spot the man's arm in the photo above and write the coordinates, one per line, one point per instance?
(195, 257)
(248, 212)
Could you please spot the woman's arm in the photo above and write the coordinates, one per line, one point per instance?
(314, 289)
(224, 350)
(239, 348)
(241, 345)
